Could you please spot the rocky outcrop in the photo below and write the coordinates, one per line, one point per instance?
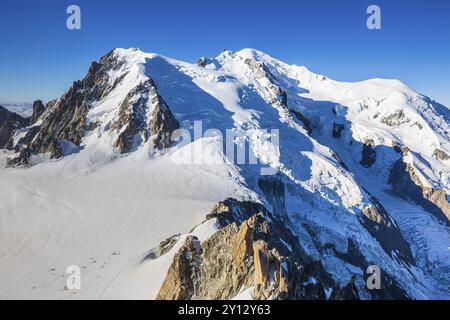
(262, 74)
(390, 288)
(255, 253)
(395, 119)
(38, 110)
(202, 62)
(142, 115)
(406, 183)
(19, 143)
(164, 247)
(261, 256)
(256, 249)
(231, 210)
(396, 146)
(9, 122)
(369, 155)
(418, 125)
(181, 280)
(242, 244)
(162, 123)
(441, 155)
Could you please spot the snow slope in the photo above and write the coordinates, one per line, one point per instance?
(105, 212)
(105, 219)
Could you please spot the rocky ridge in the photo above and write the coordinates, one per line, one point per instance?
(253, 249)
(142, 115)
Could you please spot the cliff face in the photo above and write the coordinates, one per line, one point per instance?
(239, 257)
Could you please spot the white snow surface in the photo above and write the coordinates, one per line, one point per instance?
(103, 212)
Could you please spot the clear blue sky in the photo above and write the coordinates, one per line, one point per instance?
(40, 57)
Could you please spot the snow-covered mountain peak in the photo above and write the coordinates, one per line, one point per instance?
(319, 86)
(359, 172)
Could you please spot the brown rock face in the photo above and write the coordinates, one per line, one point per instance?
(242, 245)
(441, 155)
(262, 262)
(180, 280)
(284, 287)
(208, 271)
(395, 119)
(217, 274)
(372, 214)
(277, 96)
(406, 184)
(369, 154)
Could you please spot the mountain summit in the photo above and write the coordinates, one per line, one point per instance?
(126, 176)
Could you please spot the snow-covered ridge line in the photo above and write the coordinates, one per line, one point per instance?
(100, 174)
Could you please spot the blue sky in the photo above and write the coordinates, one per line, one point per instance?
(40, 57)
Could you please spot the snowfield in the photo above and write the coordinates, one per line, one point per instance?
(105, 220)
(105, 212)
